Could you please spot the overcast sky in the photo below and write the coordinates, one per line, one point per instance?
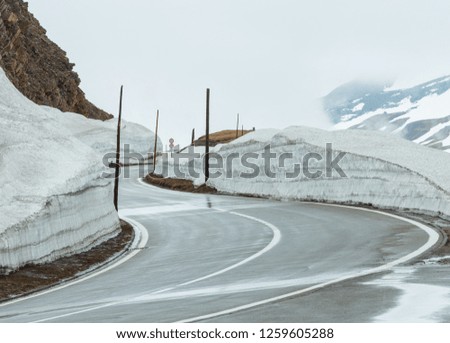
(267, 60)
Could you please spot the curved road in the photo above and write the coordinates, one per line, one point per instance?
(220, 258)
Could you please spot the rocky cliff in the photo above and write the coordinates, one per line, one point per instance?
(38, 67)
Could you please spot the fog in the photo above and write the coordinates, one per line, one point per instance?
(270, 61)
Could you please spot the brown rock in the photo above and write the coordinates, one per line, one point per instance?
(38, 67)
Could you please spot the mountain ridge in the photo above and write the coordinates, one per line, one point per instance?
(420, 113)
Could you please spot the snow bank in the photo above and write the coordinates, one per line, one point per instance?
(101, 135)
(380, 169)
(53, 200)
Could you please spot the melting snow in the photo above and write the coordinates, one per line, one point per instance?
(417, 303)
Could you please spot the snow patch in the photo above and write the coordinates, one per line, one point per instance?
(433, 106)
(435, 129)
(358, 107)
(436, 260)
(347, 117)
(408, 83)
(404, 105)
(417, 303)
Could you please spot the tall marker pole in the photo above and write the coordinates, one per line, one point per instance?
(156, 140)
(193, 137)
(237, 126)
(117, 174)
(207, 137)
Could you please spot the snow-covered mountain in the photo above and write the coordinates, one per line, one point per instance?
(420, 114)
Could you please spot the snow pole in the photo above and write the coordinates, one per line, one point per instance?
(242, 131)
(207, 137)
(193, 137)
(116, 180)
(237, 126)
(156, 140)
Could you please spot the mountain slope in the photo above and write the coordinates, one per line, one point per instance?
(420, 113)
(36, 66)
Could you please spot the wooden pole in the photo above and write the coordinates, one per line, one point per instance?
(242, 131)
(117, 174)
(207, 137)
(237, 126)
(193, 136)
(156, 140)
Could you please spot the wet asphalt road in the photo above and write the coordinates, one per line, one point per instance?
(213, 258)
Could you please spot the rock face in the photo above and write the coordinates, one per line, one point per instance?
(37, 66)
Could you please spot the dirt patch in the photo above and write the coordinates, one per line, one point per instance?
(220, 137)
(36, 277)
(445, 249)
(178, 184)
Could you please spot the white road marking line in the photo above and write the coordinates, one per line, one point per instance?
(433, 238)
(161, 209)
(139, 242)
(77, 312)
(275, 240)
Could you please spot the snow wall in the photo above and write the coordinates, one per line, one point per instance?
(380, 169)
(53, 198)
